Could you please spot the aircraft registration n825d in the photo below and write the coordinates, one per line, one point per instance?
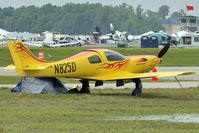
(93, 64)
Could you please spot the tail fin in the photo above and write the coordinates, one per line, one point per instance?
(97, 29)
(22, 57)
(112, 28)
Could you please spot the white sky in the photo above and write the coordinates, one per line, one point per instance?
(175, 5)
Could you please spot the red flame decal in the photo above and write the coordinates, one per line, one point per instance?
(25, 53)
(115, 66)
(20, 48)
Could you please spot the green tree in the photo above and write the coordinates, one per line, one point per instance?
(163, 12)
(82, 18)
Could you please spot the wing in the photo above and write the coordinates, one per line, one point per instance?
(127, 75)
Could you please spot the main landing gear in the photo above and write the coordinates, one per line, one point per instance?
(85, 87)
(138, 87)
(84, 90)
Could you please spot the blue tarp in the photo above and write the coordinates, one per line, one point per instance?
(40, 85)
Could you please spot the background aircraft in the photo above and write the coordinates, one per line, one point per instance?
(112, 37)
(116, 35)
(94, 64)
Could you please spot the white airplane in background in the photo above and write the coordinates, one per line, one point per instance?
(121, 36)
(117, 35)
(23, 36)
(61, 41)
(114, 35)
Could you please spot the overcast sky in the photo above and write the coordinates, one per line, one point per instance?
(175, 5)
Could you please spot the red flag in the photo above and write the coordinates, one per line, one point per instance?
(190, 8)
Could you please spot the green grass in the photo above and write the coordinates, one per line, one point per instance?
(90, 113)
(10, 79)
(174, 57)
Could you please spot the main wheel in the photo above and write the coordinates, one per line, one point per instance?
(136, 92)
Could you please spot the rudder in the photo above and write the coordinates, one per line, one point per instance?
(22, 57)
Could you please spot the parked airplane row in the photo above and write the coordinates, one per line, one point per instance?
(51, 39)
(46, 39)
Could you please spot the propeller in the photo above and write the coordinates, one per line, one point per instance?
(164, 50)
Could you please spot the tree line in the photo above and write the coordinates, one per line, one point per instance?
(83, 18)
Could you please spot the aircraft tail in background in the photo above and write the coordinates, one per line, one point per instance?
(112, 29)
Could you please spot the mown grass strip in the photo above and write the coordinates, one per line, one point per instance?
(22, 112)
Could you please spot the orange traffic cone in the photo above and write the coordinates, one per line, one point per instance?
(41, 55)
(154, 79)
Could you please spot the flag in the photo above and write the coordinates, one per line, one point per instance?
(190, 8)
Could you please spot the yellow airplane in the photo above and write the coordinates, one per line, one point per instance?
(91, 65)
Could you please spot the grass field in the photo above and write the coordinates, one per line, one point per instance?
(174, 57)
(90, 113)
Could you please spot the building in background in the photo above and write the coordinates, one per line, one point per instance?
(183, 23)
(189, 23)
(171, 26)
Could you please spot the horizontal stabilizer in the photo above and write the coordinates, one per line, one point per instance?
(10, 67)
(34, 68)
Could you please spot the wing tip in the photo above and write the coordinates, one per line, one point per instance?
(187, 73)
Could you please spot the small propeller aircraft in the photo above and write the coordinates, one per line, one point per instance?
(91, 65)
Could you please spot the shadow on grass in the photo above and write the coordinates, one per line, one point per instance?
(153, 94)
(148, 96)
(113, 94)
(171, 96)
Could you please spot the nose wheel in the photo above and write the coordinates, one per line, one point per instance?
(138, 87)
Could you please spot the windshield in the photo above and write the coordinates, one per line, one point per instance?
(113, 56)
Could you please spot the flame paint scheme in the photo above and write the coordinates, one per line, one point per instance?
(93, 64)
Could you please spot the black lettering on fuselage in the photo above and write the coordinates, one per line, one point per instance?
(56, 68)
(65, 68)
(73, 67)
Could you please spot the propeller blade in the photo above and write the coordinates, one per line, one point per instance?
(164, 50)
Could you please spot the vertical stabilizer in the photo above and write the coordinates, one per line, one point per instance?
(22, 57)
(112, 29)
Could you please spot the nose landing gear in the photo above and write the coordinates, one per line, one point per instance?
(138, 87)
